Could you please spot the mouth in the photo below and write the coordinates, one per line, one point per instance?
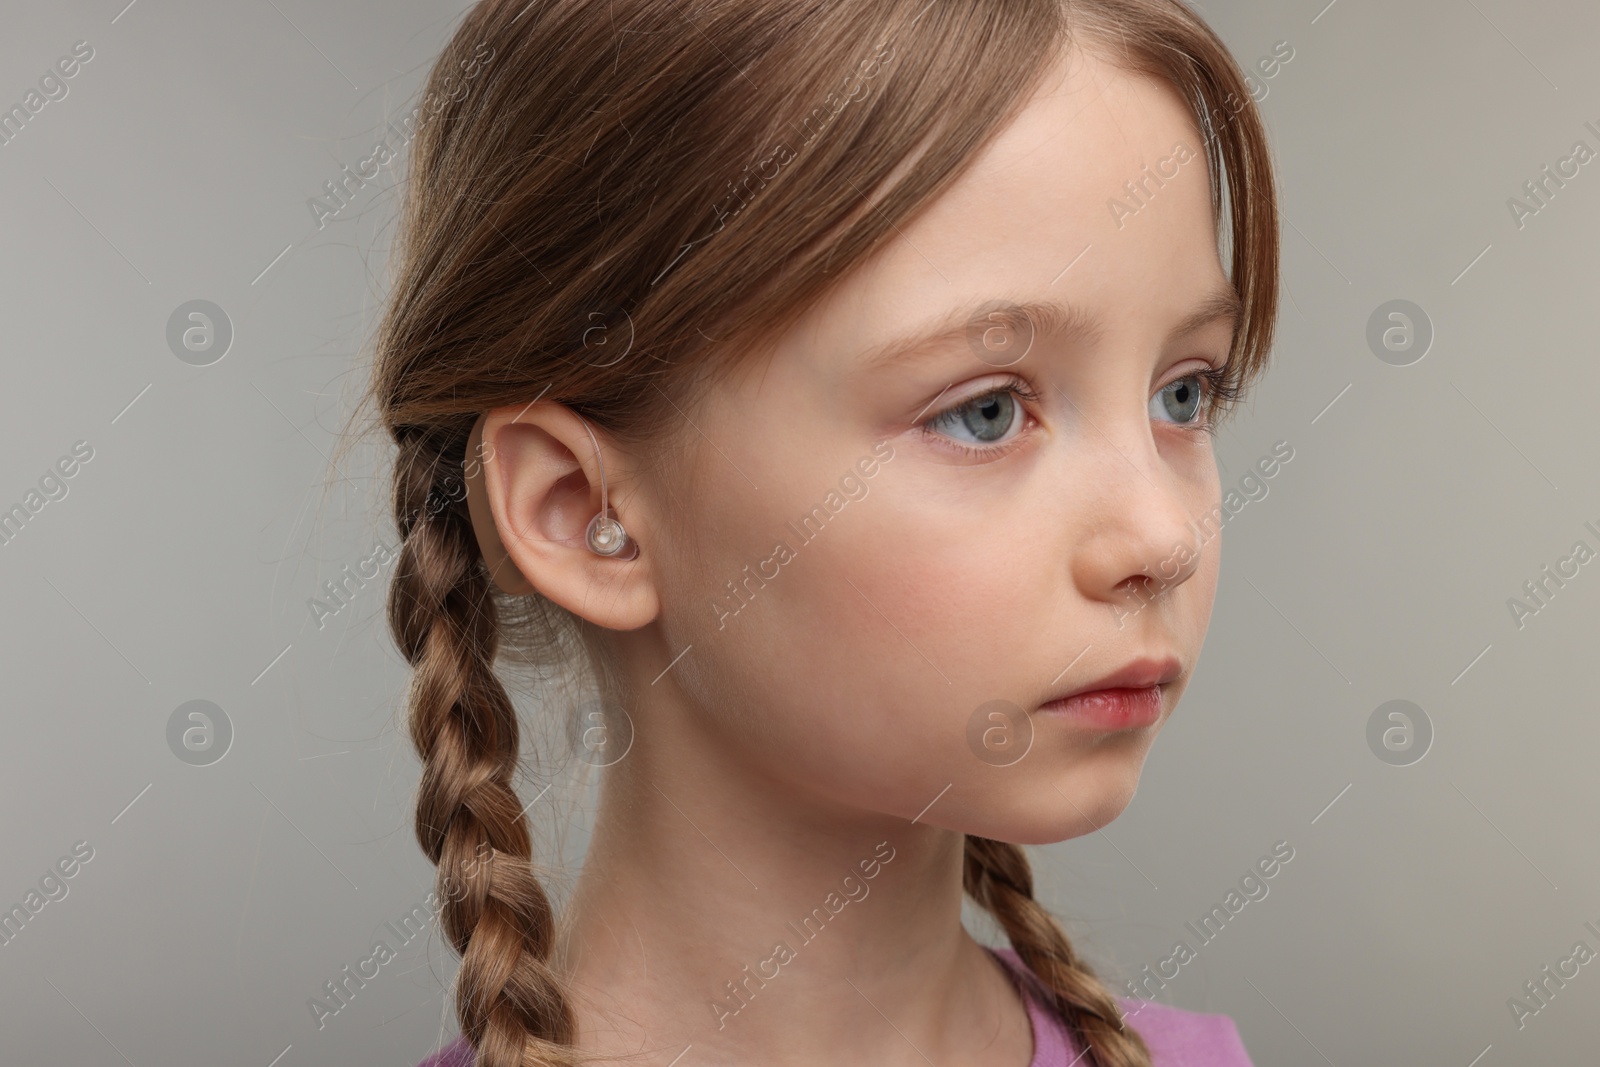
(1129, 698)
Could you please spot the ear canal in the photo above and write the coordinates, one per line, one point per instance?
(606, 537)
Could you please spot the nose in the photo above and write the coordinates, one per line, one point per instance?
(1142, 540)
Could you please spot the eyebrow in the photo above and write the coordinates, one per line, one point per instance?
(1046, 318)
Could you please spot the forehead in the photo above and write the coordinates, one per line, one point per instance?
(1095, 195)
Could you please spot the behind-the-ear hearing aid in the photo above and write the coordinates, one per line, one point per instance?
(605, 535)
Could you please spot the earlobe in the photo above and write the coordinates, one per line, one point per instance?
(536, 511)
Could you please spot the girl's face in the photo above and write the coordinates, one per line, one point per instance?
(923, 558)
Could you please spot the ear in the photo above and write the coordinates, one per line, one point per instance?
(533, 484)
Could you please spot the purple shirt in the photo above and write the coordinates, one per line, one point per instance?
(1176, 1038)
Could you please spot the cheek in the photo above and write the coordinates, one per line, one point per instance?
(856, 670)
(805, 669)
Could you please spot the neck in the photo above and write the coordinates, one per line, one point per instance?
(725, 911)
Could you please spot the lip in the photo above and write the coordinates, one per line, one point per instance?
(1136, 674)
(1129, 698)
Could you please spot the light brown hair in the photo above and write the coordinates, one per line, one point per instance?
(686, 171)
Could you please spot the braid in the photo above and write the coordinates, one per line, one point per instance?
(998, 877)
(469, 821)
(508, 246)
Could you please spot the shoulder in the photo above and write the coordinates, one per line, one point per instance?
(457, 1053)
(1191, 1038)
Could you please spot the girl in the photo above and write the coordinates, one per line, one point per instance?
(833, 384)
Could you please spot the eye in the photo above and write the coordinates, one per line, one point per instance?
(987, 422)
(1191, 400)
(1179, 400)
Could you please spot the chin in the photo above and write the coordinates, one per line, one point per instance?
(1057, 806)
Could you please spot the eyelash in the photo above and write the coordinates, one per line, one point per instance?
(1219, 392)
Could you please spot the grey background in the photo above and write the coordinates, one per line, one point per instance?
(179, 565)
